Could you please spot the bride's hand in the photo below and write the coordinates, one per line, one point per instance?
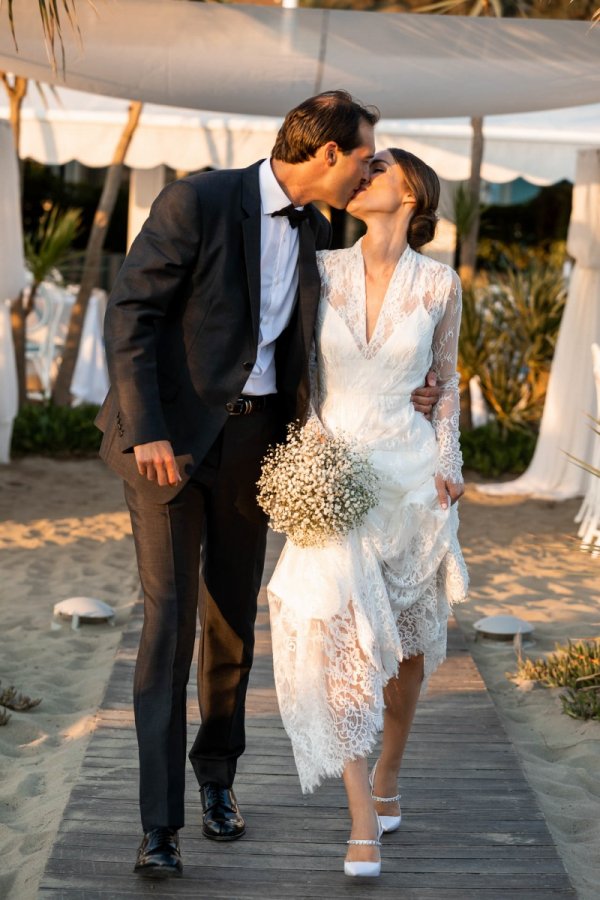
(448, 490)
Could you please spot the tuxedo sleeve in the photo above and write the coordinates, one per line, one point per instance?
(158, 265)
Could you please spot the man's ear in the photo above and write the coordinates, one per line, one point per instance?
(330, 153)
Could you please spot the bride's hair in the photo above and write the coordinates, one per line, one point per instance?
(425, 185)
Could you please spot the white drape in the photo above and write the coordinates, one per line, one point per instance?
(264, 60)
(144, 186)
(571, 392)
(12, 281)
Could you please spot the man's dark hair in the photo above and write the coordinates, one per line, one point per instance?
(330, 116)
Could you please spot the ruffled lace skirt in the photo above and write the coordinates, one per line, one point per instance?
(344, 616)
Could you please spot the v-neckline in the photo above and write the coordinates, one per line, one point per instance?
(363, 299)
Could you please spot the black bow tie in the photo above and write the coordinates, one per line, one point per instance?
(295, 216)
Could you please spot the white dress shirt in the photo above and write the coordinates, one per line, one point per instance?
(278, 280)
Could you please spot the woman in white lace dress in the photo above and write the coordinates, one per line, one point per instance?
(359, 624)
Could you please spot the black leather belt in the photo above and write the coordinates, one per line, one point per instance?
(244, 406)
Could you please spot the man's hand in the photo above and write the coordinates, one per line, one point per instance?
(156, 462)
(425, 398)
(448, 491)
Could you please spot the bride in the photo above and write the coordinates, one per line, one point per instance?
(360, 624)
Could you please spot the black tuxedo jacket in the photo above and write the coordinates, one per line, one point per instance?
(181, 325)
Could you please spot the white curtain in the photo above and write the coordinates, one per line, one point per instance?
(571, 391)
(12, 281)
(144, 186)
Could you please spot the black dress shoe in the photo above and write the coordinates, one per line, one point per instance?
(222, 820)
(159, 856)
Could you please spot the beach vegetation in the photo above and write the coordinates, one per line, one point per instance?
(511, 319)
(49, 245)
(12, 699)
(46, 429)
(574, 666)
(493, 450)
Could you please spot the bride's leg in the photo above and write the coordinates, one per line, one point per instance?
(364, 823)
(401, 695)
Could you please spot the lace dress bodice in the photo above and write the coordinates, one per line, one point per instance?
(417, 330)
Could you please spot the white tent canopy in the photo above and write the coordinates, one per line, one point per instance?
(263, 60)
(67, 124)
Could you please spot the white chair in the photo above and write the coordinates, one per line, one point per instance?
(42, 332)
(588, 515)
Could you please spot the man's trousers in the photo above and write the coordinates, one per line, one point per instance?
(210, 539)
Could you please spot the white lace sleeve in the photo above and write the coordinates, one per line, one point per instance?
(446, 412)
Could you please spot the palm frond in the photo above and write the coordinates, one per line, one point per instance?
(583, 465)
(51, 243)
(464, 208)
(53, 13)
(440, 6)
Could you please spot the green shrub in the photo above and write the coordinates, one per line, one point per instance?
(575, 667)
(508, 334)
(492, 450)
(48, 430)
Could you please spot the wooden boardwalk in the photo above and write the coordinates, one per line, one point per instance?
(471, 826)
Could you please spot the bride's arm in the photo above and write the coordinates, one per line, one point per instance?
(449, 479)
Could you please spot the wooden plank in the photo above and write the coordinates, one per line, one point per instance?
(261, 844)
(265, 889)
(471, 825)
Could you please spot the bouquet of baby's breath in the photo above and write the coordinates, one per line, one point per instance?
(316, 487)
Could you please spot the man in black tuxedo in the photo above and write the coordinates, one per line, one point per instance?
(208, 330)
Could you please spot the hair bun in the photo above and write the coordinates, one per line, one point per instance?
(421, 228)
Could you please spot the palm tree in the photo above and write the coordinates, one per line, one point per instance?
(61, 394)
(16, 87)
(51, 12)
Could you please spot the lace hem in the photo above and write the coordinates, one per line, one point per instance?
(331, 691)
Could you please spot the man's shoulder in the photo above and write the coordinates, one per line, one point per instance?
(213, 179)
(220, 179)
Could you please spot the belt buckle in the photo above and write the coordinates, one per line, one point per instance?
(239, 407)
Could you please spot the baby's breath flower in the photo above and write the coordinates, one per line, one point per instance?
(316, 487)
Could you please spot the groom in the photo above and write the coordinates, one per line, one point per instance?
(208, 331)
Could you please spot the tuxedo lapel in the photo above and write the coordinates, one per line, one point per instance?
(251, 231)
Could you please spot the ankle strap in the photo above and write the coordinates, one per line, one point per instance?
(386, 799)
(366, 843)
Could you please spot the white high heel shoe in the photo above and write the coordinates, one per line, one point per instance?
(388, 823)
(365, 869)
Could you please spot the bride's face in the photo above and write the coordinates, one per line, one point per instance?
(386, 192)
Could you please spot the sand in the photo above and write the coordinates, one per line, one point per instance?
(64, 531)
